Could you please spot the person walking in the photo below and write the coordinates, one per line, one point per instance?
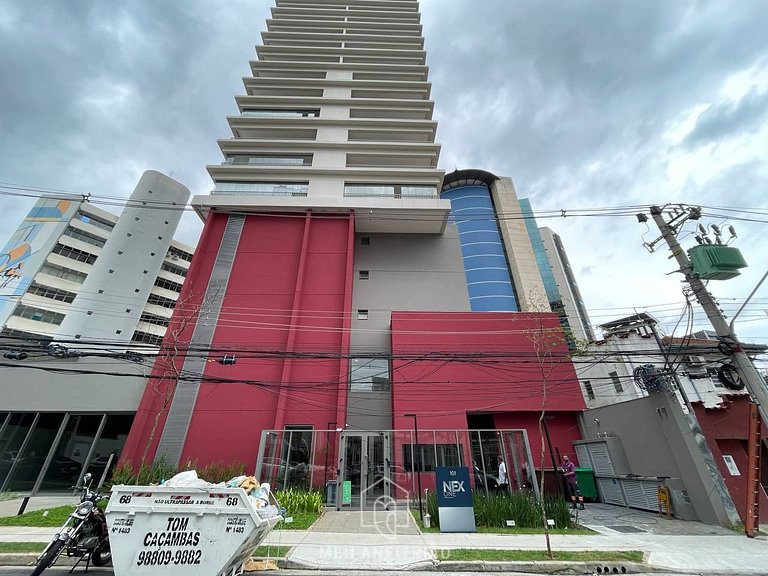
(502, 487)
(569, 471)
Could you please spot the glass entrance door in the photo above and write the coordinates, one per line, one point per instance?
(365, 466)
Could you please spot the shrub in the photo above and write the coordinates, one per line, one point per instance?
(493, 510)
(296, 501)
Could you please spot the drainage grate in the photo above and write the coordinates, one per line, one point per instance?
(627, 529)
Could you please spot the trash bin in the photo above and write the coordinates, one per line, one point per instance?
(155, 530)
(330, 491)
(586, 479)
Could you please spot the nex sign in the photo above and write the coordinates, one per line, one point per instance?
(452, 488)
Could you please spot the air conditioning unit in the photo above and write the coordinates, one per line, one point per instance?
(695, 360)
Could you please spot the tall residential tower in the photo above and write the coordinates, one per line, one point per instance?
(335, 288)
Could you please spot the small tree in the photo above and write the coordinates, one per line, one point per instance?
(544, 342)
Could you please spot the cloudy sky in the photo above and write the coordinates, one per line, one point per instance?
(585, 104)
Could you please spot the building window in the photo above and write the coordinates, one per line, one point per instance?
(271, 160)
(63, 273)
(362, 314)
(167, 284)
(173, 269)
(590, 391)
(153, 339)
(154, 319)
(37, 314)
(74, 254)
(262, 188)
(424, 456)
(175, 254)
(616, 381)
(389, 191)
(266, 113)
(365, 241)
(364, 274)
(369, 375)
(85, 237)
(52, 293)
(93, 221)
(161, 301)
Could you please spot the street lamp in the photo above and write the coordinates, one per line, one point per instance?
(418, 470)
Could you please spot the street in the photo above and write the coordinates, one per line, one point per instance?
(61, 570)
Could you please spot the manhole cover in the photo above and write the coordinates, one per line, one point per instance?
(626, 529)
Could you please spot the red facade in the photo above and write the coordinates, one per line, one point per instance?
(726, 431)
(287, 297)
(288, 300)
(509, 365)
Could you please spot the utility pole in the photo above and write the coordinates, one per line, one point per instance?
(729, 342)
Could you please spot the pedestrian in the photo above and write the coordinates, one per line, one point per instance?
(502, 486)
(569, 471)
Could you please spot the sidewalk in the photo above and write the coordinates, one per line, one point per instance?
(390, 541)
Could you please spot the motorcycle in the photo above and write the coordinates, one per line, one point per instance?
(84, 535)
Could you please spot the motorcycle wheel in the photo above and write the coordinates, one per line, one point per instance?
(102, 555)
(48, 558)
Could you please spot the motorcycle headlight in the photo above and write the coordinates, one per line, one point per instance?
(84, 508)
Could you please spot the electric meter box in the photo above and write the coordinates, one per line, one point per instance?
(156, 531)
(716, 262)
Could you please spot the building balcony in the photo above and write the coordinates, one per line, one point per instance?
(372, 214)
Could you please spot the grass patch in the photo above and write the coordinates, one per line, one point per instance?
(56, 517)
(301, 521)
(573, 530)
(271, 551)
(539, 555)
(21, 547)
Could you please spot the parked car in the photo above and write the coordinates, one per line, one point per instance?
(485, 481)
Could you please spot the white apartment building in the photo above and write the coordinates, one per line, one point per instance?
(46, 287)
(81, 278)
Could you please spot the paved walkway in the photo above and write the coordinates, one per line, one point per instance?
(391, 541)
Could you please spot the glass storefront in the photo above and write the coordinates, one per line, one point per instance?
(48, 451)
(368, 468)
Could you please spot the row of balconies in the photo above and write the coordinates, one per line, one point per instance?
(372, 41)
(406, 5)
(301, 54)
(336, 27)
(292, 161)
(381, 137)
(417, 72)
(338, 92)
(342, 14)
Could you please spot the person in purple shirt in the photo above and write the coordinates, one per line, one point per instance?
(569, 471)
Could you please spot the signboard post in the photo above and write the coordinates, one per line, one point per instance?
(454, 499)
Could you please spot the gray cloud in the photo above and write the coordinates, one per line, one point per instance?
(727, 118)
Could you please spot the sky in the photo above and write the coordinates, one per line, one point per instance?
(584, 104)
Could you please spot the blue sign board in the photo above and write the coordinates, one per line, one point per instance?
(452, 487)
(454, 499)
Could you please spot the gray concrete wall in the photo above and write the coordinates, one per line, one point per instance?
(406, 272)
(28, 389)
(112, 298)
(658, 442)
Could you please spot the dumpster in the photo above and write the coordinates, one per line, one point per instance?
(586, 479)
(157, 530)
